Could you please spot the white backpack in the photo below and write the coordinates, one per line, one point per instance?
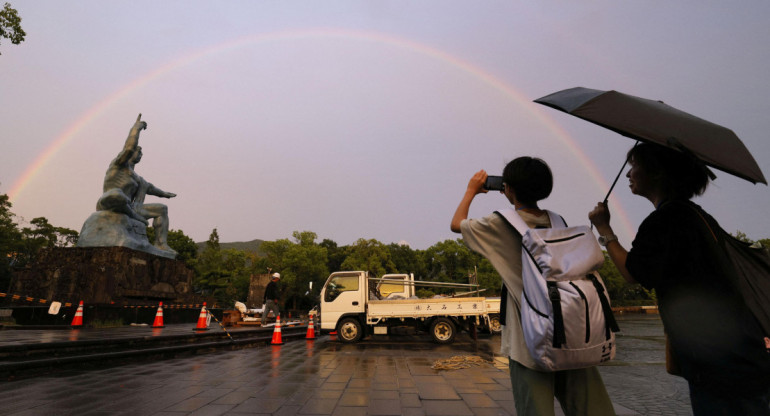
(565, 312)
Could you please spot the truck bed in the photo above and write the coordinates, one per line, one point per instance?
(416, 308)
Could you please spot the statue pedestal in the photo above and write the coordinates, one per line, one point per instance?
(103, 275)
(111, 229)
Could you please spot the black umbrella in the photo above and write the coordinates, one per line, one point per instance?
(656, 122)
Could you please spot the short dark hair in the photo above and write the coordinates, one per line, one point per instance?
(680, 175)
(530, 178)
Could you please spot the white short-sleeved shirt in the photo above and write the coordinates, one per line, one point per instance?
(493, 238)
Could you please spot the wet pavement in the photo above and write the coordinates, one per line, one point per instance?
(390, 375)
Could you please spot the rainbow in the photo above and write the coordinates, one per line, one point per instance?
(478, 73)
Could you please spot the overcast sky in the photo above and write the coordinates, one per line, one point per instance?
(363, 119)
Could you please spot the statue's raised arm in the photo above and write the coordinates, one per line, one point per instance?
(132, 142)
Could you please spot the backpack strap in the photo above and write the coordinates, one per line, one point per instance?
(513, 218)
(610, 324)
(559, 335)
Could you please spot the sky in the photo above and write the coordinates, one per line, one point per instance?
(364, 119)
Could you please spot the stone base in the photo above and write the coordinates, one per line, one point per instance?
(111, 229)
(105, 275)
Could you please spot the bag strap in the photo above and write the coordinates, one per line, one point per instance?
(513, 218)
(697, 211)
(610, 324)
(559, 334)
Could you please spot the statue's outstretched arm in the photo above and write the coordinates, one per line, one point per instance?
(154, 190)
(132, 141)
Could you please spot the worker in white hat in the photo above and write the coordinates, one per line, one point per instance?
(271, 297)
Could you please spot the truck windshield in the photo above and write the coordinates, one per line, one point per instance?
(339, 284)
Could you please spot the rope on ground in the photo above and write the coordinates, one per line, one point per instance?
(221, 326)
(459, 362)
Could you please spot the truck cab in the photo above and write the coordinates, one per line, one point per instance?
(344, 294)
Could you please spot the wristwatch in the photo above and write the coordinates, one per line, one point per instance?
(606, 239)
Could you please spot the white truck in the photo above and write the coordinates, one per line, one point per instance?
(355, 305)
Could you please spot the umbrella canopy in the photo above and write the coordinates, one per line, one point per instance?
(656, 122)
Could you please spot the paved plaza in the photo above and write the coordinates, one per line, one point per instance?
(380, 376)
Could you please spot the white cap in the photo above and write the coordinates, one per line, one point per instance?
(276, 276)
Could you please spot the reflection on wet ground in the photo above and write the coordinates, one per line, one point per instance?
(381, 375)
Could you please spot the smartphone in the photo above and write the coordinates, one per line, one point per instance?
(494, 183)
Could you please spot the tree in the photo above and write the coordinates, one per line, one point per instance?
(224, 274)
(304, 262)
(43, 235)
(334, 255)
(209, 265)
(10, 25)
(10, 238)
(407, 260)
(487, 277)
(450, 261)
(619, 290)
(187, 250)
(369, 255)
(300, 262)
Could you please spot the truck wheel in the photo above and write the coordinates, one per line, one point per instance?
(443, 330)
(494, 325)
(349, 330)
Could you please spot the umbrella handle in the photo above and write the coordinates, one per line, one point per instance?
(606, 197)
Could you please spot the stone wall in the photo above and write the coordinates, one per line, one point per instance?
(103, 275)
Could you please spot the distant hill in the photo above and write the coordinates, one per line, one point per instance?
(250, 246)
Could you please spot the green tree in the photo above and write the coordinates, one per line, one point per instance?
(407, 260)
(209, 265)
(369, 255)
(487, 277)
(187, 250)
(740, 235)
(10, 25)
(42, 235)
(304, 262)
(450, 261)
(335, 255)
(224, 274)
(621, 292)
(10, 238)
(300, 262)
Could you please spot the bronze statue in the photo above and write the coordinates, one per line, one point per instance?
(124, 190)
(122, 215)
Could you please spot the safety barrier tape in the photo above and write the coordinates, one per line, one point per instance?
(70, 304)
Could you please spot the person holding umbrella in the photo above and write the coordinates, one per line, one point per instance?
(526, 181)
(715, 342)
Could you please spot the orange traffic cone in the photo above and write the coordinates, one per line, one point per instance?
(277, 332)
(78, 319)
(202, 320)
(159, 317)
(310, 329)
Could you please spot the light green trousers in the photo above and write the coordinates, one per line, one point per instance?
(580, 392)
